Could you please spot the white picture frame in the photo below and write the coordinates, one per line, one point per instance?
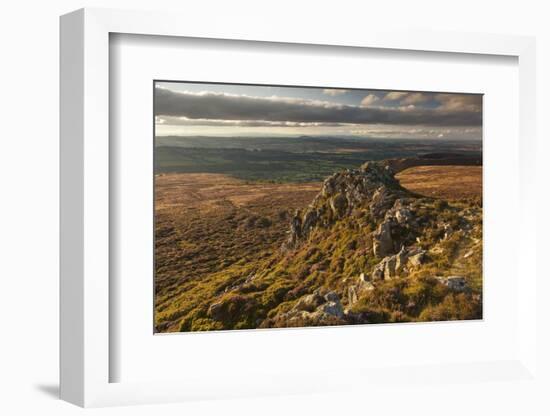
(85, 216)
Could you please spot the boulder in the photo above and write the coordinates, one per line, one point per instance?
(386, 269)
(332, 306)
(216, 310)
(382, 243)
(308, 302)
(382, 200)
(456, 283)
(332, 297)
(403, 215)
(392, 266)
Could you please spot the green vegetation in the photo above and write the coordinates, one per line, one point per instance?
(295, 159)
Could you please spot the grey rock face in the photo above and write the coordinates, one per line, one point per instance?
(373, 186)
(315, 308)
(392, 266)
(308, 302)
(332, 308)
(382, 243)
(310, 219)
(382, 200)
(456, 283)
(332, 297)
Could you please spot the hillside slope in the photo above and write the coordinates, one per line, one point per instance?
(366, 250)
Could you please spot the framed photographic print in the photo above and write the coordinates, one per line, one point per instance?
(282, 206)
(287, 213)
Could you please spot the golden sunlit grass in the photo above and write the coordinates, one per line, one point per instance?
(449, 182)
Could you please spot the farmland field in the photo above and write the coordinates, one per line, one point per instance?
(297, 159)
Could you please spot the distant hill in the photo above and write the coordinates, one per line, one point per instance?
(435, 159)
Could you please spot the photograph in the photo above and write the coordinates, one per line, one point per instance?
(299, 206)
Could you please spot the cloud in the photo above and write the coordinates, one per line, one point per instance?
(369, 100)
(415, 98)
(441, 101)
(459, 102)
(395, 95)
(220, 106)
(417, 132)
(334, 92)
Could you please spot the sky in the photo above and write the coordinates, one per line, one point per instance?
(197, 109)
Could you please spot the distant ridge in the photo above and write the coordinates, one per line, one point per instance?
(434, 159)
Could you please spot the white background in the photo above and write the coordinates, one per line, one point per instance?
(29, 210)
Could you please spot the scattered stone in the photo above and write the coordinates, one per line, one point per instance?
(392, 266)
(332, 308)
(352, 295)
(456, 283)
(332, 297)
(308, 302)
(417, 258)
(403, 215)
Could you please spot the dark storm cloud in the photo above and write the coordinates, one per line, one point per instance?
(217, 106)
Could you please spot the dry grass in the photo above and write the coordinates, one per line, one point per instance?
(205, 223)
(446, 182)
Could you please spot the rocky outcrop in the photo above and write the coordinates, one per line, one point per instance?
(372, 187)
(398, 220)
(361, 286)
(364, 220)
(392, 266)
(315, 309)
(382, 241)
